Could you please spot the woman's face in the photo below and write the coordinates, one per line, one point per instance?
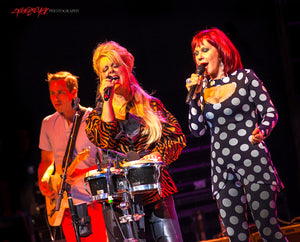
(109, 69)
(207, 54)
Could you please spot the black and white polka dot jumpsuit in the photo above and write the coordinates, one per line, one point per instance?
(240, 171)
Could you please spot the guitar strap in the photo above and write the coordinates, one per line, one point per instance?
(72, 139)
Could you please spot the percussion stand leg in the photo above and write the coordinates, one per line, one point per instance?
(127, 218)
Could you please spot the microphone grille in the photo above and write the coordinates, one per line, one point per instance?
(200, 69)
(75, 103)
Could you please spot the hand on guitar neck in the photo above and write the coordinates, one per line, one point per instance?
(73, 174)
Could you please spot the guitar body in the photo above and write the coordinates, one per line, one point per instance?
(55, 217)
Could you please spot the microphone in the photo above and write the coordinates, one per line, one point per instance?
(107, 90)
(132, 155)
(112, 154)
(98, 159)
(199, 71)
(75, 103)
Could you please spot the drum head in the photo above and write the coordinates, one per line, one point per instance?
(97, 173)
(141, 163)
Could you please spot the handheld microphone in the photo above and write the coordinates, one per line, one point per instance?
(107, 90)
(199, 71)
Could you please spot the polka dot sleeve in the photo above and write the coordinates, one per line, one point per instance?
(263, 103)
(196, 120)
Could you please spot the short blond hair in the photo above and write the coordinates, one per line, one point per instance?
(70, 79)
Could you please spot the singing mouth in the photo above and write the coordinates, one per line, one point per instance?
(113, 78)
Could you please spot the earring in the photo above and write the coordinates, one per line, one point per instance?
(222, 66)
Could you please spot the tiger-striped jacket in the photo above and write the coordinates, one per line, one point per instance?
(103, 134)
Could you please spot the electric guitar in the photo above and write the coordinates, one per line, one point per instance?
(55, 217)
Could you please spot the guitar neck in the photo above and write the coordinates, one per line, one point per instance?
(73, 166)
(80, 157)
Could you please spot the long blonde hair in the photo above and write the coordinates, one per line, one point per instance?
(139, 99)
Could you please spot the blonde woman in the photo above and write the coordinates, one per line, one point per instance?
(129, 119)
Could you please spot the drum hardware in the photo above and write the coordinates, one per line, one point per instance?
(122, 181)
(108, 184)
(136, 177)
(125, 205)
(127, 218)
(110, 198)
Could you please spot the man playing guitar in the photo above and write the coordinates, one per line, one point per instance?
(54, 136)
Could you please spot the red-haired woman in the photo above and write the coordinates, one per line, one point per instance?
(227, 101)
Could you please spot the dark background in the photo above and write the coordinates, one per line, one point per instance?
(158, 34)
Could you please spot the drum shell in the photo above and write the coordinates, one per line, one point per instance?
(98, 185)
(141, 175)
(143, 178)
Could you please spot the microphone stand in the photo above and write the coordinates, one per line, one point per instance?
(66, 187)
(75, 218)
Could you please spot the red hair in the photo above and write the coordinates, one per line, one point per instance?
(227, 51)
